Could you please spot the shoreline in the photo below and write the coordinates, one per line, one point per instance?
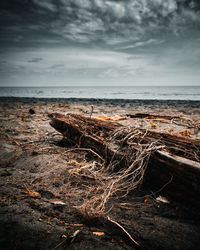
(100, 101)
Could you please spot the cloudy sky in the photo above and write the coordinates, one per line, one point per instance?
(99, 42)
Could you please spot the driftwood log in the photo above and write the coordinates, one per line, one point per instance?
(88, 133)
(174, 176)
(152, 116)
(175, 169)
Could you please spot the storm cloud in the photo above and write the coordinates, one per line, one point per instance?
(35, 60)
(161, 36)
(110, 22)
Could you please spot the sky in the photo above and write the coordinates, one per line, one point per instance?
(99, 42)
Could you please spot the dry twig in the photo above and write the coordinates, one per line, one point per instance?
(125, 231)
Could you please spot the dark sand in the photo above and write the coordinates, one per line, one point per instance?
(33, 157)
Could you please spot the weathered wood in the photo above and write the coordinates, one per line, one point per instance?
(175, 176)
(88, 133)
(152, 116)
(180, 145)
(182, 174)
(94, 133)
(86, 125)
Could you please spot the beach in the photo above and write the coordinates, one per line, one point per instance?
(40, 189)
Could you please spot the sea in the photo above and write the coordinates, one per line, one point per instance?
(107, 92)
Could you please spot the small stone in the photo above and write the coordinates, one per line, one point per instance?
(34, 153)
(46, 194)
(31, 111)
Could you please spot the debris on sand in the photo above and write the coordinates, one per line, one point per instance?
(95, 182)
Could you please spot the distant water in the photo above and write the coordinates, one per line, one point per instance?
(125, 92)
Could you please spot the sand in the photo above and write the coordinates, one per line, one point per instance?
(39, 194)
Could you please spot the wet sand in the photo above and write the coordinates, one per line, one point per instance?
(38, 193)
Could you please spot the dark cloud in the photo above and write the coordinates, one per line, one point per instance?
(35, 60)
(108, 22)
(57, 66)
(99, 39)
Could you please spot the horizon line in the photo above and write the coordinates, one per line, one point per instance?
(74, 86)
